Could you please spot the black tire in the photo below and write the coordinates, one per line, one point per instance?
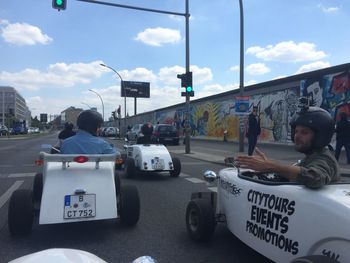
(315, 259)
(38, 186)
(129, 205)
(21, 212)
(200, 219)
(130, 168)
(117, 183)
(177, 167)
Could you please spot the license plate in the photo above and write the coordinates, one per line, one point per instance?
(158, 164)
(79, 206)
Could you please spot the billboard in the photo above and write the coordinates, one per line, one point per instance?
(135, 89)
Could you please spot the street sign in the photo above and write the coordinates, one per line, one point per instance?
(135, 89)
(242, 104)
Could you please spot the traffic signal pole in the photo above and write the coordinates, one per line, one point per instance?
(187, 123)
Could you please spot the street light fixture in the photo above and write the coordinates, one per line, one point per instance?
(86, 105)
(103, 107)
(122, 83)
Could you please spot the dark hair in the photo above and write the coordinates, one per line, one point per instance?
(68, 126)
(317, 119)
(90, 121)
(147, 129)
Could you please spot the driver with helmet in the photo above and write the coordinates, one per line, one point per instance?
(86, 140)
(311, 131)
(147, 130)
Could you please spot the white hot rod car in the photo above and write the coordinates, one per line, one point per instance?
(74, 188)
(284, 221)
(147, 158)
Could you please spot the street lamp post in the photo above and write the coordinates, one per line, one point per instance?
(241, 75)
(86, 105)
(103, 107)
(122, 83)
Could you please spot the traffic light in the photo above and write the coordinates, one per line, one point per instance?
(113, 114)
(186, 82)
(59, 4)
(118, 111)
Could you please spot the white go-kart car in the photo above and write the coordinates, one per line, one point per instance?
(148, 158)
(284, 221)
(74, 188)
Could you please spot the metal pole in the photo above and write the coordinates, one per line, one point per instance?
(135, 105)
(122, 87)
(187, 124)
(241, 75)
(103, 107)
(3, 107)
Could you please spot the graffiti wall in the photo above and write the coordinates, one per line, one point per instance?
(210, 117)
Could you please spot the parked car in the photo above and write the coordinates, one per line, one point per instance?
(33, 130)
(3, 130)
(111, 131)
(165, 133)
(134, 133)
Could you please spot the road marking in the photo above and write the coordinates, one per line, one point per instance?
(8, 193)
(21, 175)
(29, 165)
(195, 180)
(184, 175)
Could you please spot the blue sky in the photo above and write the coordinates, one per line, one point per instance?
(53, 58)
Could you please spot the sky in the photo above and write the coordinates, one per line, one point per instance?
(52, 58)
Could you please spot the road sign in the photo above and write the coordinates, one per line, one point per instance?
(135, 89)
(242, 104)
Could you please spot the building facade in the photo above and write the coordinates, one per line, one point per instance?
(13, 107)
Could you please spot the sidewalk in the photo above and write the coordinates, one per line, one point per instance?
(279, 152)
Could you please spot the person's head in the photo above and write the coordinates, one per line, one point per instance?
(147, 129)
(312, 129)
(89, 121)
(68, 126)
(255, 110)
(313, 91)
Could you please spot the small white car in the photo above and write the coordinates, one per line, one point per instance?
(74, 188)
(284, 221)
(149, 158)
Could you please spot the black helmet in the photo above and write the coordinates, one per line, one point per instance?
(90, 121)
(317, 119)
(68, 126)
(147, 129)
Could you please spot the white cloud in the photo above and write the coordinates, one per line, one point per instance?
(168, 75)
(234, 68)
(328, 9)
(313, 66)
(138, 74)
(257, 69)
(287, 52)
(159, 36)
(57, 75)
(23, 34)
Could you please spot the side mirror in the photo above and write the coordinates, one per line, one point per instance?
(210, 176)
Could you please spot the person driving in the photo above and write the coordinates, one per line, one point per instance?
(147, 130)
(311, 131)
(86, 140)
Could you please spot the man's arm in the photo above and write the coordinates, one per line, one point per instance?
(260, 163)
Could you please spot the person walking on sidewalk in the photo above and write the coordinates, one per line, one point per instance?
(253, 130)
(343, 136)
(311, 131)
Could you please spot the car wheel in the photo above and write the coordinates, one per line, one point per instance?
(315, 259)
(38, 186)
(21, 212)
(130, 168)
(177, 167)
(200, 221)
(129, 205)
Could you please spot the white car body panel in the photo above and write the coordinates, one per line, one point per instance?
(62, 176)
(142, 153)
(286, 221)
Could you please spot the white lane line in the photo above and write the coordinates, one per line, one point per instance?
(8, 193)
(195, 180)
(184, 175)
(21, 175)
(213, 189)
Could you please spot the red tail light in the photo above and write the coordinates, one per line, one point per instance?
(80, 159)
(39, 162)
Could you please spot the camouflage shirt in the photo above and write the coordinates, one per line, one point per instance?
(318, 169)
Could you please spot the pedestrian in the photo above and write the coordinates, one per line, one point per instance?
(253, 130)
(343, 136)
(311, 131)
(86, 140)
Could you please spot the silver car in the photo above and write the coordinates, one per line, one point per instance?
(134, 132)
